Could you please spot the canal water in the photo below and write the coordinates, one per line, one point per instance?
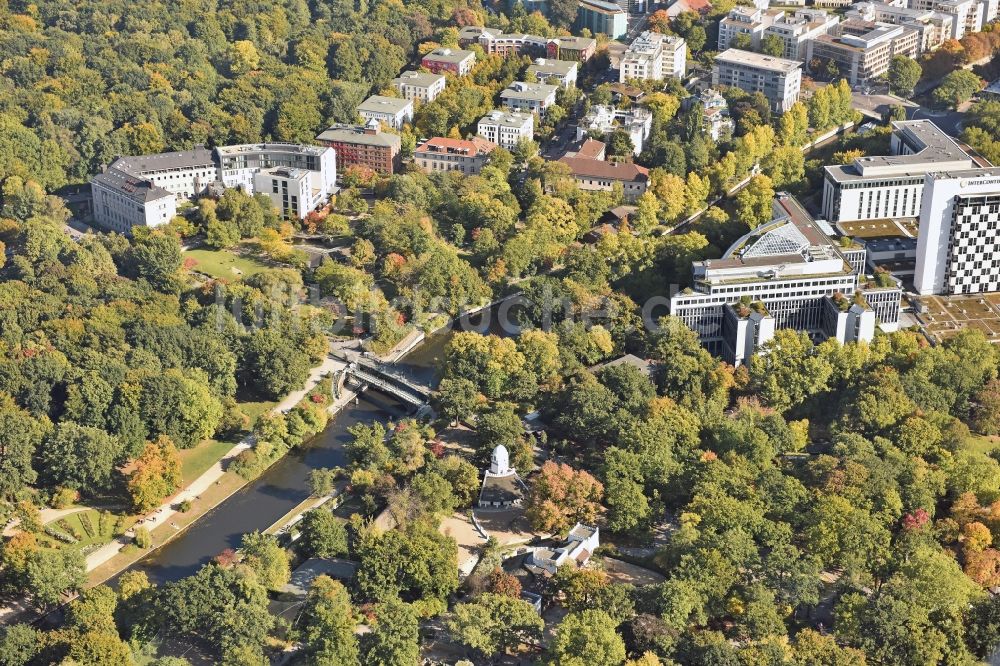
(284, 485)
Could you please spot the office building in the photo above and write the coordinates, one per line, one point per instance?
(364, 146)
(777, 78)
(602, 17)
(122, 201)
(932, 27)
(452, 61)
(653, 56)
(239, 163)
(958, 246)
(391, 111)
(506, 128)
(788, 273)
(886, 187)
(295, 192)
(443, 154)
(797, 29)
(555, 72)
(419, 85)
(529, 97)
(862, 50)
(604, 120)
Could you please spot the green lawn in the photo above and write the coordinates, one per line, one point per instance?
(196, 460)
(983, 443)
(94, 533)
(223, 263)
(255, 408)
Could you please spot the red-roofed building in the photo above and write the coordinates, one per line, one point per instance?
(591, 174)
(467, 156)
(681, 6)
(592, 149)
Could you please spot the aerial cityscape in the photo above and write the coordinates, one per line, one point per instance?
(556, 332)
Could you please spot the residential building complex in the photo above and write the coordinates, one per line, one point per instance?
(506, 128)
(885, 187)
(443, 154)
(555, 72)
(144, 190)
(796, 30)
(493, 41)
(863, 50)
(967, 15)
(604, 120)
(932, 27)
(788, 273)
(596, 174)
(529, 97)
(779, 79)
(364, 146)
(653, 56)
(419, 85)
(605, 17)
(750, 21)
(454, 61)
(958, 246)
(392, 111)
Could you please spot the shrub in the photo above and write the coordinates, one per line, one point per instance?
(142, 538)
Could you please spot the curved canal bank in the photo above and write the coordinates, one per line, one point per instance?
(284, 485)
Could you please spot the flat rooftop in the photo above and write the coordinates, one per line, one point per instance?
(507, 118)
(529, 91)
(930, 149)
(425, 79)
(274, 147)
(757, 60)
(449, 55)
(181, 159)
(382, 104)
(901, 227)
(550, 66)
(357, 134)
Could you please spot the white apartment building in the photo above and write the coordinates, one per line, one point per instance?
(444, 154)
(715, 113)
(295, 192)
(555, 72)
(122, 201)
(751, 21)
(529, 97)
(637, 121)
(419, 85)
(784, 274)
(886, 187)
(967, 15)
(778, 78)
(506, 128)
(933, 27)
(862, 50)
(796, 30)
(653, 56)
(129, 193)
(238, 163)
(391, 111)
(958, 246)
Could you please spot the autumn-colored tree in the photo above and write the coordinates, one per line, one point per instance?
(157, 474)
(504, 583)
(983, 567)
(561, 496)
(976, 537)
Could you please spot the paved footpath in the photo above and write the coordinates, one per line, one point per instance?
(165, 511)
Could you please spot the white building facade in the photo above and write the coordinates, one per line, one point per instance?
(779, 79)
(419, 86)
(652, 57)
(391, 111)
(506, 128)
(637, 121)
(529, 97)
(884, 187)
(958, 247)
(122, 201)
(561, 73)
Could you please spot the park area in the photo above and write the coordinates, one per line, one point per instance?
(221, 263)
(943, 317)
